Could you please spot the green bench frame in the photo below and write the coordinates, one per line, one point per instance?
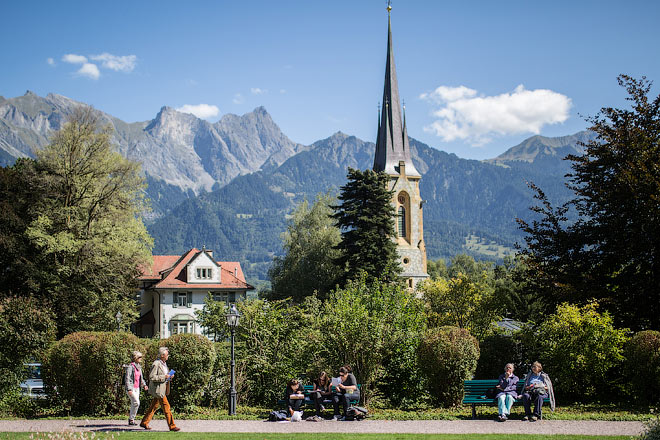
(475, 393)
(309, 402)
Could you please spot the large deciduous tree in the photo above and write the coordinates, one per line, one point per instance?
(612, 252)
(309, 243)
(366, 220)
(81, 228)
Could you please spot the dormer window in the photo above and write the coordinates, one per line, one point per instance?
(204, 273)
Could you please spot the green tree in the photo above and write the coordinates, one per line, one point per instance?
(83, 230)
(309, 244)
(611, 252)
(212, 317)
(366, 220)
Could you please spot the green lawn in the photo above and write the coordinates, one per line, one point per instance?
(265, 436)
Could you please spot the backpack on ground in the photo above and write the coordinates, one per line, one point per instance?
(356, 413)
(277, 416)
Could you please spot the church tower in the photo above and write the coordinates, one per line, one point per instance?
(394, 158)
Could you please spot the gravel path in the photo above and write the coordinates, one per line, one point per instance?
(365, 426)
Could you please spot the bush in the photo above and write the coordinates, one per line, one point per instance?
(86, 370)
(448, 356)
(495, 352)
(192, 357)
(642, 354)
(276, 343)
(582, 351)
(25, 331)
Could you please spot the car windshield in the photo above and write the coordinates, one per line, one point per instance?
(34, 371)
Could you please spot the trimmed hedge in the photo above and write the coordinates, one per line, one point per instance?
(85, 369)
(192, 357)
(448, 356)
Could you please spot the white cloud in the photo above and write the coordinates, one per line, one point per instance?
(50, 61)
(125, 63)
(257, 91)
(74, 59)
(203, 111)
(89, 70)
(238, 99)
(465, 115)
(282, 91)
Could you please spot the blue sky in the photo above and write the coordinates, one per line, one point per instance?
(477, 76)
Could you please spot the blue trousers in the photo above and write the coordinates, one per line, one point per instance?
(537, 400)
(504, 404)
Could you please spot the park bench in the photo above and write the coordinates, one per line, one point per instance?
(475, 393)
(309, 402)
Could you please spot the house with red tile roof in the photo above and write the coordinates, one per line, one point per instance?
(175, 286)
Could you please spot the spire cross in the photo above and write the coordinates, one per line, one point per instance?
(389, 6)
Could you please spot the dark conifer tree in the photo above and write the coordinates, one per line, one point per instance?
(365, 217)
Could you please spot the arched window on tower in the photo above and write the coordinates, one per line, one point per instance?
(402, 221)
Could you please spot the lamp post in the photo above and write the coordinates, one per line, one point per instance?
(118, 318)
(233, 318)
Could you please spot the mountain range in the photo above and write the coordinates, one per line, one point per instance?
(230, 185)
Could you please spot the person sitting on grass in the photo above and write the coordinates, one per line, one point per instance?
(506, 394)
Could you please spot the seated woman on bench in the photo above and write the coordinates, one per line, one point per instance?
(506, 392)
(347, 390)
(321, 391)
(537, 386)
(294, 396)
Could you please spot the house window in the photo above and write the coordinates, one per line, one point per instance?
(225, 297)
(182, 299)
(204, 273)
(402, 221)
(179, 327)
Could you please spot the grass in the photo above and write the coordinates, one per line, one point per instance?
(490, 248)
(297, 436)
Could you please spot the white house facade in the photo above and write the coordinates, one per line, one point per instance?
(175, 287)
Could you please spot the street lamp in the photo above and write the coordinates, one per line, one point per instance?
(233, 318)
(118, 318)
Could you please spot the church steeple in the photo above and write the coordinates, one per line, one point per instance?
(392, 144)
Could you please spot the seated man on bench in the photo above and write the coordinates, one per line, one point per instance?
(294, 396)
(347, 390)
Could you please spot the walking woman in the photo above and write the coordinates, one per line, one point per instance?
(134, 381)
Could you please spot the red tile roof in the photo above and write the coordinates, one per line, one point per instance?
(171, 271)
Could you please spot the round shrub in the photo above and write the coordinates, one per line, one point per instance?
(85, 369)
(642, 353)
(447, 357)
(581, 351)
(192, 357)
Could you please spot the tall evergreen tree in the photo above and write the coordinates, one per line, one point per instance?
(612, 253)
(366, 220)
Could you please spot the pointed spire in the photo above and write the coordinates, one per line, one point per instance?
(392, 140)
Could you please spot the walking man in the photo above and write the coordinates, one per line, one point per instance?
(159, 388)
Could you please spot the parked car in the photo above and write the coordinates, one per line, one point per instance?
(33, 386)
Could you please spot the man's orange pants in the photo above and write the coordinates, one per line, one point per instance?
(155, 403)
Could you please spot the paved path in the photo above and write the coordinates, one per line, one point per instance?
(365, 426)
